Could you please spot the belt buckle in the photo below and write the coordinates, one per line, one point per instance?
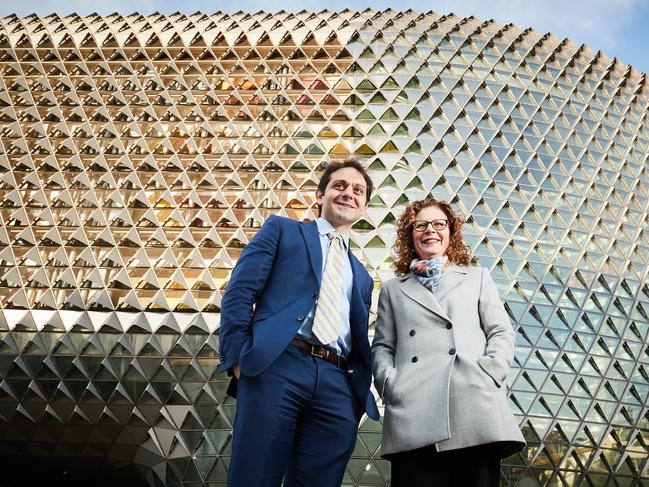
(318, 352)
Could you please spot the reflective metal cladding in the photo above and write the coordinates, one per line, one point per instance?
(139, 154)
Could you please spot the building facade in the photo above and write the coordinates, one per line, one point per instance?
(139, 154)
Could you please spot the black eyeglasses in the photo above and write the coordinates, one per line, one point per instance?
(422, 225)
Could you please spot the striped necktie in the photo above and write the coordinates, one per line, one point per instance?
(326, 322)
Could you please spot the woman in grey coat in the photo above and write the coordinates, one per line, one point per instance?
(441, 352)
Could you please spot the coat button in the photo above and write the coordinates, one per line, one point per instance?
(414, 359)
(412, 333)
(451, 351)
(300, 317)
(448, 326)
(315, 294)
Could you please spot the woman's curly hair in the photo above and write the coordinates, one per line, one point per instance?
(458, 252)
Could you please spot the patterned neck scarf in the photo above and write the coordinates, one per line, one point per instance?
(429, 272)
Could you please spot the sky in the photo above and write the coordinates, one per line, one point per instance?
(618, 28)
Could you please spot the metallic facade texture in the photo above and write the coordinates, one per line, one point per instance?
(140, 154)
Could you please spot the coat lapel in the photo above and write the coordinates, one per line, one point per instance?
(312, 239)
(452, 278)
(417, 292)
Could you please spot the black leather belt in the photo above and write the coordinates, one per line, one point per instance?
(321, 352)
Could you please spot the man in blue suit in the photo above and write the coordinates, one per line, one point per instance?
(294, 336)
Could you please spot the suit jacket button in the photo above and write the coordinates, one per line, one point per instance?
(412, 333)
(451, 351)
(448, 326)
(414, 359)
(315, 294)
(300, 317)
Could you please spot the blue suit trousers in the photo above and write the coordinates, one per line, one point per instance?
(295, 421)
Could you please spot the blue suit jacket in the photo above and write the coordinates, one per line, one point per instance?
(271, 291)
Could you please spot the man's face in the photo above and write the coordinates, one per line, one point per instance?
(344, 199)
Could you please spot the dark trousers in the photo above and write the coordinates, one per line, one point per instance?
(477, 466)
(297, 420)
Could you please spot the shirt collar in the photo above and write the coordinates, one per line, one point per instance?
(324, 227)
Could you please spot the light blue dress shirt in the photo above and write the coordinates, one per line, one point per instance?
(344, 343)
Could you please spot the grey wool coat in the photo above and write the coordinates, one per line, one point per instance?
(440, 361)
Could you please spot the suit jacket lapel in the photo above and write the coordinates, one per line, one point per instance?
(312, 239)
(452, 278)
(418, 293)
(357, 312)
(356, 306)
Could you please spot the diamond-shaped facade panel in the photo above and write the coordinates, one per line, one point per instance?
(139, 154)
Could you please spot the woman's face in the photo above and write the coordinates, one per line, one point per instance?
(429, 242)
